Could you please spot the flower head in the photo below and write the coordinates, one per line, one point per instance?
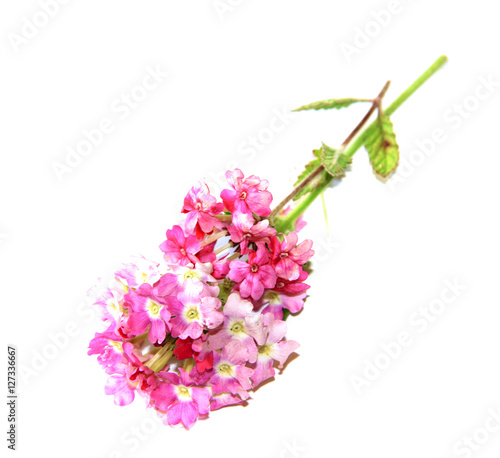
(254, 276)
(202, 328)
(288, 257)
(201, 209)
(248, 195)
(149, 311)
(182, 402)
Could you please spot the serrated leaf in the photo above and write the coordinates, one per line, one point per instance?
(310, 167)
(330, 103)
(334, 161)
(382, 147)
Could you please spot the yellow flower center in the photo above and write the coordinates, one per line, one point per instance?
(190, 274)
(264, 350)
(237, 327)
(192, 314)
(224, 368)
(154, 309)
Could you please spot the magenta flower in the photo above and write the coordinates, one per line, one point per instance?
(292, 287)
(273, 349)
(254, 276)
(121, 389)
(194, 313)
(239, 324)
(230, 373)
(201, 208)
(288, 256)
(183, 250)
(247, 196)
(244, 231)
(182, 402)
(202, 328)
(108, 345)
(150, 311)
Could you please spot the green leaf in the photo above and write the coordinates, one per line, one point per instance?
(330, 103)
(334, 161)
(310, 167)
(382, 147)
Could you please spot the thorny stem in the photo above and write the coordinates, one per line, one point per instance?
(376, 102)
(286, 223)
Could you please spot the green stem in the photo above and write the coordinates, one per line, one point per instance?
(286, 223)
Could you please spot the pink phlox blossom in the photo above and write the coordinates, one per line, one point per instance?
(194, 313)
(149, 310)
(254, 276)
(294, 286)
(182, 402)
(276, 302)
(185, 277)
(248, 195)
(274, 348)
(110, 304)
(108, 346)
(141, 270)
(243, 230)
(239, 324)
(221, 267)
(201, 209)
(120, 388)
(288, 257)
(183, 250)
(230, 374)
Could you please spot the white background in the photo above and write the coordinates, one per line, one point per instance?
(391, 249)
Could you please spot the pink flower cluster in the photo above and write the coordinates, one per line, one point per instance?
(199, 330)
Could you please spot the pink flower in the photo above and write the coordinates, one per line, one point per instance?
(118, 386)
(239, 324)
(108, 345)
(244, 231)
(230, 373)
(276, 302)
(255, 275)
(183, 250)
(193, 313)
(223, 400)
(184, 277)
(274, 348)
(149, 311)
(221, 267)
(109, 303)
(183, 402)
(140, 271)
(247, 195)
(201, 208)
(292, 287)
(288, 257)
